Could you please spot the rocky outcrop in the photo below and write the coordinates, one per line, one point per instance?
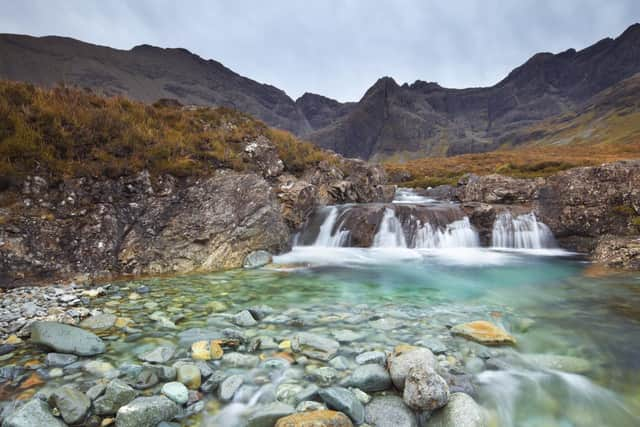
(588, 209)
(89, 228)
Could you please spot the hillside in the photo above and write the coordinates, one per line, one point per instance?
(390, 121)
(65, 133)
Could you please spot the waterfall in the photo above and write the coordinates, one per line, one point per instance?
(326, 236)
(522, 232)
(458, 234)
(390, 233)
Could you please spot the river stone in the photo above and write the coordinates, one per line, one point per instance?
(257, 259)
(571, 364)
(116, 395)
(60, 359)
(6, 348)
(483, 332)
(371, 377)
(324, 376)
(146, 412)
(406, 357)
(461, 411)
(101, 369)
(189, 375)
(100, 321)
(267, 415)
(212, 383)
(176, 391)
(72, 404)
(33, 413)
(425, 390)
(239, 360)
(244, 318)
(371, 357)
(389, 411)
(434, 344)
(160, 354)
(317, 418)
(96, 391)
(192, 335)
(314, 346)
(66, 339)
(147, 378)
(229, 386)
(310, 405)
(343, 400)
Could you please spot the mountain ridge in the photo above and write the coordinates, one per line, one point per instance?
(391, 120)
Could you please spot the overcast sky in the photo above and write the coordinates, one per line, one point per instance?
(337, 48)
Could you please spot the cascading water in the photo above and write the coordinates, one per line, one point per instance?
(521, 232)
(326, 236)
(390, 233)
(458, 234)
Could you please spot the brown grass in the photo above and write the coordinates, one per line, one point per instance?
(66, 132)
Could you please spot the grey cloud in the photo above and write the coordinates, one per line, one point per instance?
(337, 48)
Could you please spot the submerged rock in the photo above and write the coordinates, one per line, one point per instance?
(100, 321)
(316, 418)
(461, 411)
(244, 318)
(66, 339)
(389, 411)
(572, 364)
(343, 400)
(116, 395)
(146, 412)
(189, 375)
(267, 415)
(33, 413)
(229, 386)
(483, 332)
(314, 346)
(72, 404)
(160, 354)
(176, 391)
(371, 377)
(257, 259)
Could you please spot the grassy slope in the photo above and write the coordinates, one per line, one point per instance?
(605, 130)
(67, 132)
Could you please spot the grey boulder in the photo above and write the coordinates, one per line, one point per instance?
(315, 346)
(72, 404)
(389, 411)
(146, 412)
(343, 400)
(33, 413)
(116, 395)
(371, 377)
(66, 339)
(425, 390)
(461, 411)
(401, 362)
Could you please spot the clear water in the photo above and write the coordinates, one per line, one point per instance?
(551, 302)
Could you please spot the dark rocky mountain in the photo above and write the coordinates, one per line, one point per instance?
(145, 73)
(426, 119)
(390, 121)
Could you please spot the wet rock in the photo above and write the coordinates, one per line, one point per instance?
(308, 393)
(72, 404)
(6, 349)
(343, 400)
(310, 405)
(244, 318)
(316, 418)
(212, 383)
(425, 390)
(158, 355)
(371, 357)
(96, 391)
(146, 412)
(267, 415)
(434, 344)
(406, 357)
(239, 360)
(176, 391)
(100, 321)
(389, 411)
(257, 259)
(371, 377)
(497, 189)
(66, 339)
(571, 364)
(33, 413)
(60, 359)
(100, 369)
(483, 332)
(314, 346)
(619, 251)
(346, 335)
(324, 376)
(192, 335)
(206, 350)
(461, 411)
(116, 395)
(289, 392)
(229, 387)
(189, 375)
